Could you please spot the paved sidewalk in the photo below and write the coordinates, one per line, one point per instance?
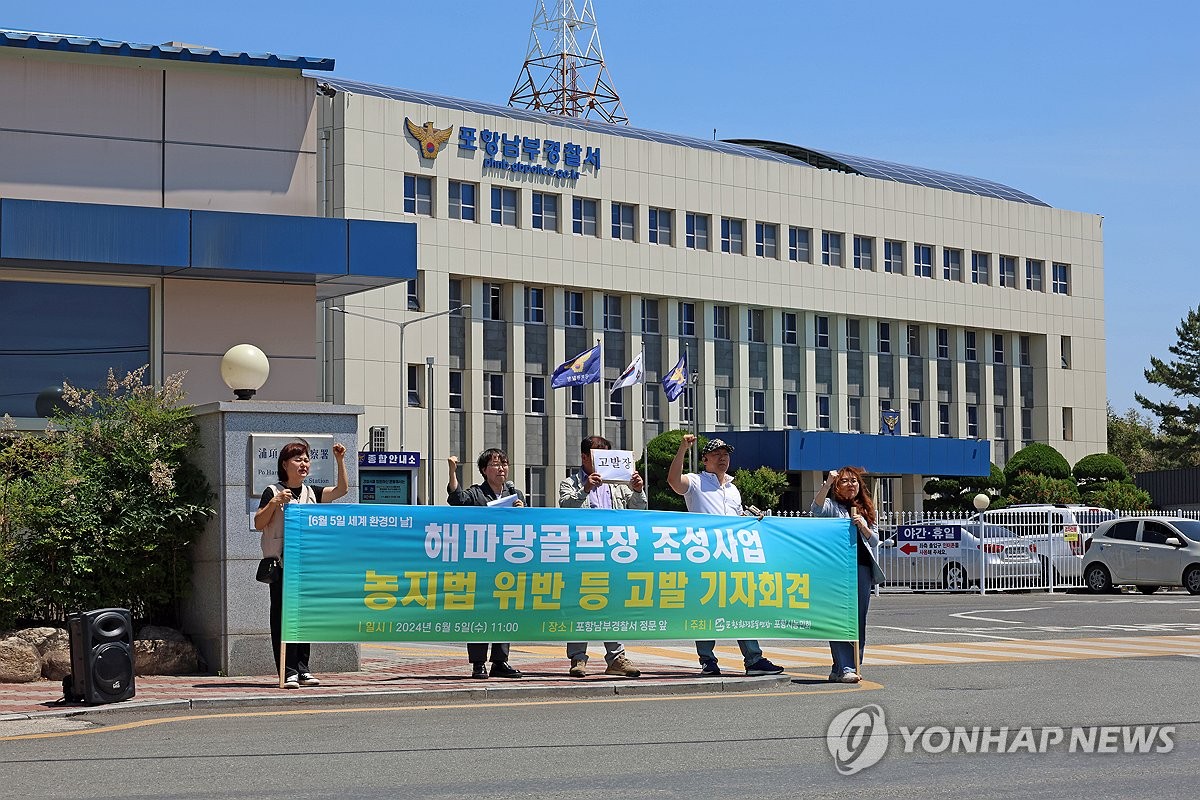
(420, 673)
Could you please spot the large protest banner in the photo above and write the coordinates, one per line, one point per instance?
(369, 573)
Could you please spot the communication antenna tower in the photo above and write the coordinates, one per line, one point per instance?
(562, 77)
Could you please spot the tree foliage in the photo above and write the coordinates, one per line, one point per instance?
(1035, 487)
(1099, 468)
(1178, 420)
(1037, 458)
(1119, 496)
(957, 493)
(761, 487)
(660, 452)
(1130, 437)
(100, 510)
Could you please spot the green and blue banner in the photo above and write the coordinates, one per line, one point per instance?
(379, 573)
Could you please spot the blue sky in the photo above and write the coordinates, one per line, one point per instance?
(1088, 106)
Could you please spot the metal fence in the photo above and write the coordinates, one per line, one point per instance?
(1005, 549)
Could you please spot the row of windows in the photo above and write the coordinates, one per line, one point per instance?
(722, 329)
(535, 403)
(660, 225)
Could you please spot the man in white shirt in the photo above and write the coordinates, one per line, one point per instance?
(713, 492)
(585, 489)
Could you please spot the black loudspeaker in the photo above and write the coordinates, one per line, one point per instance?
(101, 656)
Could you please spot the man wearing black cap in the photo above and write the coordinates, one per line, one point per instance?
(713, 492)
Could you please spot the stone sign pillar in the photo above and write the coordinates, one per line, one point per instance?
(227, 613)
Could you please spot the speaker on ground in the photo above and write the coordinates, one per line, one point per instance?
(101, 656)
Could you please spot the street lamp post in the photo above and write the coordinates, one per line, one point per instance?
(403, 364)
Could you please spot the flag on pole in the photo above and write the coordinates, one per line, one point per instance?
(578, 371)
(676, 380)
(633, 374)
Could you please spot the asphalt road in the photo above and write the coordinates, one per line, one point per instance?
(738, 745)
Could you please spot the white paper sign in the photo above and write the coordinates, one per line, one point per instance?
(613, 466)
(507, 500)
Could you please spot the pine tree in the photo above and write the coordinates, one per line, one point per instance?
(1178, 422)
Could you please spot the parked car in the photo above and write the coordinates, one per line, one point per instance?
(1148, 552)
(956, 554)
(1057, 534)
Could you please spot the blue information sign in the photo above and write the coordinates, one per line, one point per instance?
(390, 460)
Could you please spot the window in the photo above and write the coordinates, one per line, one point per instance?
(493, 392)
(758, 408)
(821, 331)
(1026, 425)
(972, 352)
(799, 244)
(697, 231)
(972, 422)
(616, 403)
(687, 319)
(790, 329)
(885, 337)
(720, 322)
(854, 414)
(576, 406)
(864, 253)
(1064, 351)
(535, 486)
(660, 226)
(1023, 351)
(952, 264)
(998, 423)
(791, 410)
(1008, 271)
(733, 236)
(545, 211)
(649, 315)
(493, 301)
(766, 240)
(922, 261)
(418, 195)
(823, 412)
(914, 340)
(622, 221)
(612, 312)
(685, 406)
(535, 304)
(853, 336)
(914, 418)
(997, 348)
(722, 397)
(456, 393)
(943, 343)
(583, 216)
(756, 325)
(893, 257)
(981, 268)
(414, 383)
(573, 309)
(650, 409)
(535, 395)
(943, 419)
(1061, 279)
(414, 299)
(504, 206)
(462, 200)
(831, 249)
(1033, 274)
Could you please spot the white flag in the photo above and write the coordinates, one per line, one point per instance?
(634, 373)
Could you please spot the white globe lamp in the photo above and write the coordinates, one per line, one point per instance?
(981, 501)
(244, 368)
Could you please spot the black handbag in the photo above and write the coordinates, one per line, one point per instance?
(269, 570)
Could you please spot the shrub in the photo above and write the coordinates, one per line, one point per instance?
(101, 509)
(1032, 487)
(660, 452)
(1119, 496)
(761, 488)
(1100, 467)
(1038, 458)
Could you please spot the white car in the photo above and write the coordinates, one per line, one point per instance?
(1147, 552)
(956, 554)
(1057, 534)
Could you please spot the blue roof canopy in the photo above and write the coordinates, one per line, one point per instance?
(69, 43)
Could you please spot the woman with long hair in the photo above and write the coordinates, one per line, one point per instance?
(845, 494)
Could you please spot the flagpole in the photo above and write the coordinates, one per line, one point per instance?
(691, 389)
(645, 454)
(600, 390)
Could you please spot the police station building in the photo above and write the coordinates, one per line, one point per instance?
(817, 295)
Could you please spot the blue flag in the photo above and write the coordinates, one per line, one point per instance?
(676, 380)
(578, 371)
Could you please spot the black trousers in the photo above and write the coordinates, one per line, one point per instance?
(296, 658)
(477, 653)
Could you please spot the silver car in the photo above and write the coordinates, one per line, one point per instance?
(1148, 552)
(956, 554)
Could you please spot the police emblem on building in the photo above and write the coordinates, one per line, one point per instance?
(429, 137)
